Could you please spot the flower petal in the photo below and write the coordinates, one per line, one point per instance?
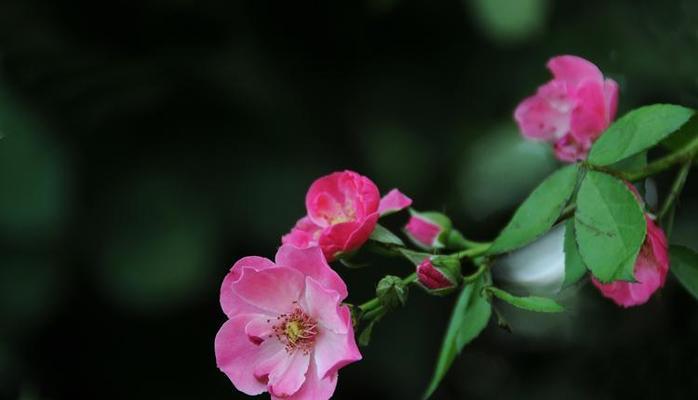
(322, 305)
(273, 290)
(334, 350)
(235, 353)
(311, 262)
(288, 376)
(573, 69)
(392, 202)
(314, 388)
(538, 119)
(589, 117)
(230, 302)
(610, 92)
(305, 234)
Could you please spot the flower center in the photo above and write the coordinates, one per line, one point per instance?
(296, 330)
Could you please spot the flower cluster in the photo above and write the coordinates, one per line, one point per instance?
(289, 330)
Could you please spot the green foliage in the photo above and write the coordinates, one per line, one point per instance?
(609, 227)
(383, 235)
(574, 266)
(469, 318)
(415, 257)
(530, 303)
(539, 212)
(684, 265)
(636, 131)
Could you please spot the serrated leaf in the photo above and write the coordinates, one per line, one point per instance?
(636, 131)
(574, 266)
(632, 163)
(538, 212)
(609, 226)
(469, 318)
(383, 235)
(530, 303)
(684, 266)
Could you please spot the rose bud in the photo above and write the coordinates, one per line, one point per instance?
(439, 275)
(428, 230)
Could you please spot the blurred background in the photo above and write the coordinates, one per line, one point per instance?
(147, 145)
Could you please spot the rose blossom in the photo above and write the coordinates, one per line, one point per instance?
(571, 110)
(438, 277)
(343, 209)
(287, 331)
(651, 268)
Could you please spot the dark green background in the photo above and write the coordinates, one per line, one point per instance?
(149, 144)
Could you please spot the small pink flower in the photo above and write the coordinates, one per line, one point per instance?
(426, 229)
(651, 268)
(343, 209)
(287, 331)
(571, 110)
(445, 275)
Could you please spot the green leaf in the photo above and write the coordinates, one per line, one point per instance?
(415, 257)
(574, 266)
(469, 318)
(684, 266)
(636, 131)
(632, 163)
(538, 213)
(609, 227)
(383, 235)
(530, 303)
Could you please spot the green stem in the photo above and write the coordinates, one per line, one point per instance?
(473, 252)
(676, 188)
(457, 241)
(476, 275)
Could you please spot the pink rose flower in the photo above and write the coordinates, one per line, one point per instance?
(343, 209)
(570, 111)
(426, 229)
(651, 268)
(287, 331)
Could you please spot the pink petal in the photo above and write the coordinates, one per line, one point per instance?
(259, 329)
(305, 234)
(361, 234)
(271, 353)
(311, 262)
(589, 117)
(610, 91)
(235, 353)
(392, 202)
(568, 149)
(334, 350)
(228, 299)
(539, 119)
(288, 376)
(273, 290)
(314, 388)
(423, 231)
(322, 305)
(573, 69)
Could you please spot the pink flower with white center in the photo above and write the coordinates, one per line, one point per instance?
(287, 333)
(651, 268)
(570, 111)
(343, 210)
